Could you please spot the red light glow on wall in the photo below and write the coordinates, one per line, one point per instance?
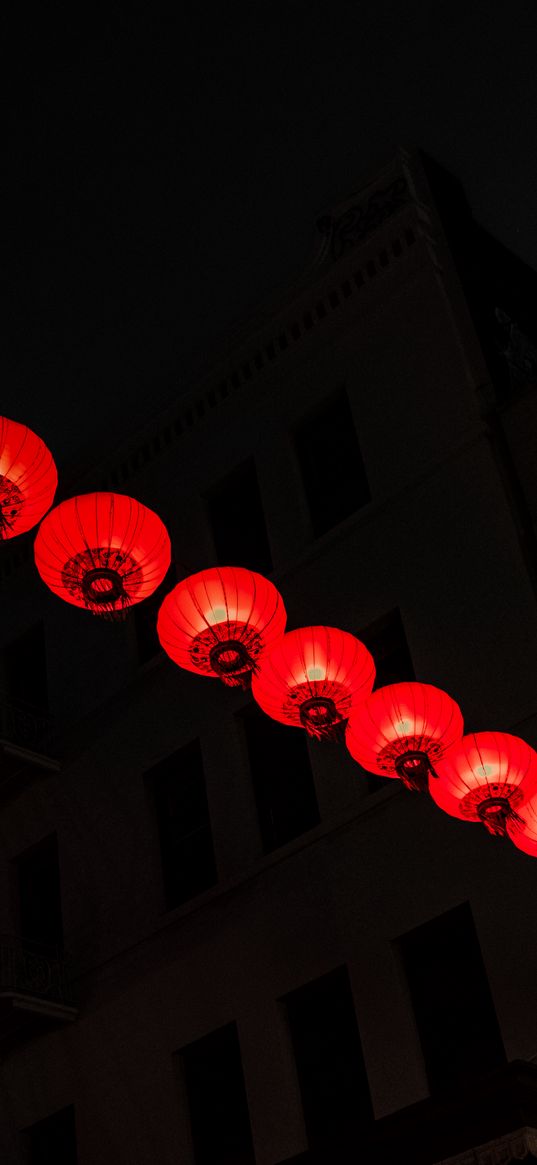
(219, 622)
(28, 478)
(487, 777)
(311, 679)
(102, 551)
(403, 729)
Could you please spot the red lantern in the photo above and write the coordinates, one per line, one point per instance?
(523, 832)
(403, 729)
(102, 551)
(219, 621)
(311, 679)
(28, 478)
(487, 777)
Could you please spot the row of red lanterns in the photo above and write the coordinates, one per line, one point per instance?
(229, 622)
(106, 551)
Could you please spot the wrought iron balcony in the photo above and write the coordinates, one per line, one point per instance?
(27, 727)
(33, 979)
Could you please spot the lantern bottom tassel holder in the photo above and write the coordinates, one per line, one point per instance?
(414, 770)
(103, 579)
(496, 810)
(228, 650)
(322, 720)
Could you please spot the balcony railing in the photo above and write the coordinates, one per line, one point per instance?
(26, 727)
(34, 976)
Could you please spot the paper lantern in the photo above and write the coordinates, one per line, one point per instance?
(523, 829)
(219, 621)
(102, 551)
(28, 478)
(402, 730)
(312, 677)
(487, 777)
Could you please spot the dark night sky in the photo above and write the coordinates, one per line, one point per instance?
(166, 179)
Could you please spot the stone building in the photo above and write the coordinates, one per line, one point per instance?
(224, 944)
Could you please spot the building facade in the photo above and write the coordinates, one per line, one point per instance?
(223, 943)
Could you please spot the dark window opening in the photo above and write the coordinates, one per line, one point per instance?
(386, 640)
(51, 1140)
(25, 670)
(186, 844)
(282, 778)
(219, 1117)
(451, 997)
(238, 522)
(39, 894)
(331, 464)
(328, 1053)
(145, 617)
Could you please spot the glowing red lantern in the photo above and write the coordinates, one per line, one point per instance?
(219, 621)
(487, 777)
(102, 551)
(403, 729)
(311, 679)
(28, 478)
(523, 832)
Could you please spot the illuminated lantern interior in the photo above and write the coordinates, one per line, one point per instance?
(219, 621)
(487, 777)
(402, 730)
(311, 679)
(102, 551)
(523, 829)
(28, 478)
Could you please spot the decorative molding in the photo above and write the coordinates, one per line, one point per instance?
(519, 351)
(520, 1145)
(360, 219)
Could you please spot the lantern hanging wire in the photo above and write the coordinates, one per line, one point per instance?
(486, 777)
(219, 622)
(312, 677)
(402, 730)
(28, 478)
(103, 552)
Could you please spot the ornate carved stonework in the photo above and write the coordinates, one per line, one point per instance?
(519, 351)
(360, 218)
(518, 1146)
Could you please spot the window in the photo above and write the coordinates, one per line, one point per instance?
(386, 640)
(145, 617)
(328, 1054)
(51, 1140)
(25, 669)
(451, 998)
(238, 522)
(331, 464)
(216, 1095)
(282, 778)
(186, 844)
(39, 896)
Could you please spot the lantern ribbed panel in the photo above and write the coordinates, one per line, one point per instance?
(484, 768)
(102, 551)
(28, 478)
(219, 606)
(400, 719)
(314, 666)
(524, 831)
